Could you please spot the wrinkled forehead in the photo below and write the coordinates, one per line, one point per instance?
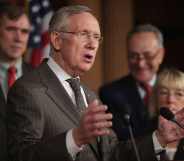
(21, 21)
(143, 41)
(83, 21)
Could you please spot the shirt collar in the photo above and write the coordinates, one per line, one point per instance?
(152, 81)
(4, 65)
(59, 71)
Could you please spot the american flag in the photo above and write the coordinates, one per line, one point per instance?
(40, 12)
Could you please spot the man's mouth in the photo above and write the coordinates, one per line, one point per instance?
(88, 57)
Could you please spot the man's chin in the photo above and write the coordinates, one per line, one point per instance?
(143, 78)
(86, 67)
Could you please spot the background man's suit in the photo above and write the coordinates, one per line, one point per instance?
(40, 129)
(3, 148)
(117, 95)
(146, 150)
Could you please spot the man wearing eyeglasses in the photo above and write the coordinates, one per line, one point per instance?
(51, 115)
(130, 94)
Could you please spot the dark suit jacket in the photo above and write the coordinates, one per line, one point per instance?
(27, 68)
(117, 95)
(40, 112)
(146, 150)
(3, 152)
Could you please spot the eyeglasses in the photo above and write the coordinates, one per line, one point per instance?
(85, 36)
(145, 56)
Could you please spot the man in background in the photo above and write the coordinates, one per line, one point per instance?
(130, 94)
(14, 34)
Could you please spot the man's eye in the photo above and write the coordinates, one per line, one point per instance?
(11, 28)
(25, 31)
(83, 33)
(96, 36)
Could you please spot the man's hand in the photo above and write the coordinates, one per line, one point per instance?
(168, 131)
(94, 122)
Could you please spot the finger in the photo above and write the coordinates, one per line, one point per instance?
(96, 106)
(97, 109)
(97, 121)
(92, 117)
(101, 117)
(102, 124)
(101, 132)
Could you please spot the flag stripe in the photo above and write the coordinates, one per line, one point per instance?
(40, 13)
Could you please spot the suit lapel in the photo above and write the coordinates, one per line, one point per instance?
(90, 96)
(2, 104)
(146, 149)
(2, 94)
(26, 67)
(138, 106)
(56, 91)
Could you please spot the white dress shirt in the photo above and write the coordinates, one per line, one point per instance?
(170, 152)
(142, 91)
(72, 148)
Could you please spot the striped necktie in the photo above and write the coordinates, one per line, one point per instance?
(75, 84)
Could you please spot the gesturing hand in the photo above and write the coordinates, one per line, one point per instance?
(95, 121)
(168, 131)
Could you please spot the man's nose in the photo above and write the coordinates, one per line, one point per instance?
(91, 44)
(141, 62)
(18, 35)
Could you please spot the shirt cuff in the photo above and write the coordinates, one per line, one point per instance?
(156, 144)
(72, 148)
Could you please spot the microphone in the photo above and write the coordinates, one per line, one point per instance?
(167, 114)
(122, 111)
(126, 113)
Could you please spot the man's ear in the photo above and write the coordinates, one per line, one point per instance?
(162, 54)
(55, 40)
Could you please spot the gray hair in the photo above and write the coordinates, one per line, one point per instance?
(147, 28)
(59, 20)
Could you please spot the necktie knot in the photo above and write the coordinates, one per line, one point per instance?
(148, 89)
(74, 83)
(11, 75)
